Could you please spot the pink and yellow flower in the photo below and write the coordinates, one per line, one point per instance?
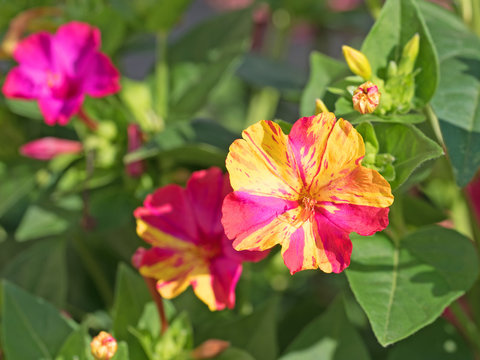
(59, 69)
(189, 243)
(366, 98)
(49, 147)
(306, 191)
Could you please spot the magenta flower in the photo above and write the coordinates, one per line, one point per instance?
(49, 147)
(59, 69)
(189, 243)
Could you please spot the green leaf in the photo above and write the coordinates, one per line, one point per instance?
(254, 333)
(32, 329)
(201, 58)
(399, 20)
(408, 145)
(439, 341)
(324, 70)
(76, 347)
(261, 71)
(405, 287)
(39, 222)
(16, 184)
(26, 108)
(456, 100)
(131, 295)
(165, 14)
(328, 337)
(42, 270)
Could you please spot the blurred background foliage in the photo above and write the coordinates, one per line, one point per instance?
(195, 73)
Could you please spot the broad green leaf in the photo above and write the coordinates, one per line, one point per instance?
(439, 341)
(76, 347)
(201, 58)
(323, 71)
(131, 295)
(164, 14)
(419, 212)
(39, 222)
(405, 287)
(254, 333)
(456, 100)
(42, 270)
(261, 71)
(408, 145)
(328, 337)
(16, 184)
(32, 329)
(26, 108)
(399, 20)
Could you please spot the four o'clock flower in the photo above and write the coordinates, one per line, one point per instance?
(306, 191)
(59, 69)
(189, 246)
(366, 98)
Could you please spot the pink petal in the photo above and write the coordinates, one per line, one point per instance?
(74, 45)
(168, 210)
(59, 110)
(335, 242)
(134, 134)
(50, 147)
(225, 275)
(364, 220)
(24, 84)
(205, 192)
(35, 51)
(244, 213)
(101, 78)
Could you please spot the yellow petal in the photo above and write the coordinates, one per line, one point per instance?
(262, 163)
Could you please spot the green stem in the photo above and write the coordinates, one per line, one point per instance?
(95, 271)
(468, 326)
(161, 77)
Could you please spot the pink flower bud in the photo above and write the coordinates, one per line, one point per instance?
(103, 346)
(366, 98)
(136, 168)
(49, 147)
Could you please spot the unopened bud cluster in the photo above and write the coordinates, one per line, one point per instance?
(103, 346)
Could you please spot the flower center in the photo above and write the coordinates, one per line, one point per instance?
(53, 79)
(307, 205)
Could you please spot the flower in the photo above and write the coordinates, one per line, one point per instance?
(49, 147)
(366, 98)
(189, 244)
(59, 69)
(134, 169)
(306, 191)
(103, 346)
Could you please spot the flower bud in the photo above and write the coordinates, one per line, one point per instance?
(366, 98)
(357, 62)
(320, 107)
(409, 55)
(49, 147)
(104, 346)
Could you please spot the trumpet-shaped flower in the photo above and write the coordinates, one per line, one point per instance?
(189, 243)
(306, 191)
(59, 69)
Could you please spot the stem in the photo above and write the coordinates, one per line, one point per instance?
(88, 121)
(161, 77)
(152, 287)
(468, 326)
